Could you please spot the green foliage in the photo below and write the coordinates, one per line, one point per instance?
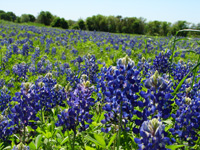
(32, 18)
(9, 16)
(81, 24)
(45, 18)
(56, 22)
(64, 23)
(25, 18)
(60, 22)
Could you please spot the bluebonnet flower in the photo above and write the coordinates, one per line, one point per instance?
(53, 51)
(6, 127)
(180, 70)
(63, 56)
(161, 63)
(157, 100)
(90, 68)
(153, 136)
(159, 95)
(80, 102)
(74, 51)
(58, 96)
(2, 83)
(32, 69)
(187, 119)
(10, 83)
(21, 146)
(125, 61)
(20, 69)
(25, 50)
(156, 82)
(15, 49)
(36, 54)
(5, 98)
(144, 67)
(119, 86)
(24, 112)
(128, 52)
(7, 72)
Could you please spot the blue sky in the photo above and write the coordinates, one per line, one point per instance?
(162, 10)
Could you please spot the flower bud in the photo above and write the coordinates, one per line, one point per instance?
(155, 77)
(27, 86)
(48, 75)
(84, 77)
(1, 117)
(4, 89)
(188, 89)
(188, 100)
(57, 87)
(67, 87)
(87, 84)
(41, 84)
(143, 59)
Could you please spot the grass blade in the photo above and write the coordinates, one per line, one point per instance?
(182, 81)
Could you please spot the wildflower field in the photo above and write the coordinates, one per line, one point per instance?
(72, 89)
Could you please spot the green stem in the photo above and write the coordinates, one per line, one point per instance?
(41, 116)
(173, 48)
(74, 140)
(69, 139)
(120, 126)
(24, 137)
(193, 80)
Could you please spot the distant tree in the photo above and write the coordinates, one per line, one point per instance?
(56, 22)
(25, 18)
(198, 26)
(119, 24)
(45, 18)
(60, 22)
(1, 11)
(154, 27)
(18, 20)
(5, 16)
(142, 24)
(100, 23)
(165, 28)
(9, 16)
(103, 24)
(32, 18)
(90, 24)
(71, 22)
(64, 23)
(75, 27)
(112, 24)
(12, 16)
(179, 25)
(81, 24)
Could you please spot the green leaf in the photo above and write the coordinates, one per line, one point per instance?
(187, 30)
(181, 82)
(48, 135)
(64, 140)
(168, 121)
(1, 146)
(111, 140)
(38, 141)
(8, 147)
(89, 148)
(100, 139)
(173, 147)
(187, 50)
(93, 140)
(32, 146)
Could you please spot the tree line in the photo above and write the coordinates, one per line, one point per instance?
(114, 24)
